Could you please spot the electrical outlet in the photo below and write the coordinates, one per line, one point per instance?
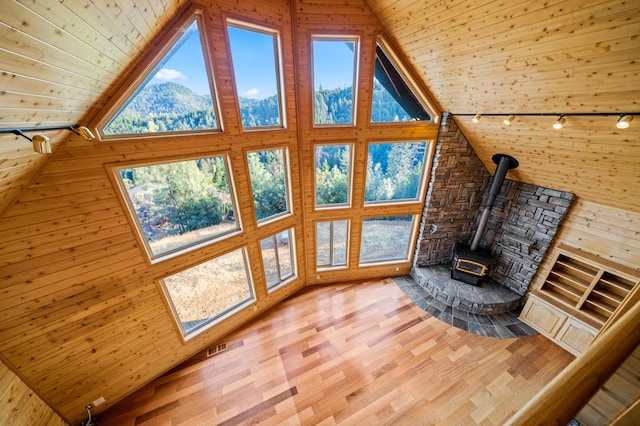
(99, 401)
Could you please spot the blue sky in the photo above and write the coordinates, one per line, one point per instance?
(186, 64)
(332, 64)
(254, 63)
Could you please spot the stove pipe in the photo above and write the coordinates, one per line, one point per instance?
(504, 164)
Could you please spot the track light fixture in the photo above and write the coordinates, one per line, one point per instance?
(84, 132)
(41, 144)
(623, 121)
(560, 123)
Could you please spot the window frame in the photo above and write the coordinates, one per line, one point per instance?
(415, 221)
(332, 266)
(349, 203)
(282, 280)
(122, 193)
(135, 83)
(277, 52)
(287, 182)
(220, 316)
(409, 80)
(356, 39)
(426, 163)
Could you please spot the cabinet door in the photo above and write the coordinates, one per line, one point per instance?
(542, 316)
(575, 336)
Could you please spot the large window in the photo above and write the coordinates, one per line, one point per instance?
(395, 171)
(180, 204)
(256, 66)
(278, 258)
(201, 295)
(393, 100)
(332, 244)
(269, 172)
(386, 239)
(334, 79)
(176, 96)
(333, 175)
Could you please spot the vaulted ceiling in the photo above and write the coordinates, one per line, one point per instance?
(62, 60)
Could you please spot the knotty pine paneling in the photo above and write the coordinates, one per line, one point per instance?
(58, 64)
(81, 313)
(19, 405)
(526, 57)
(589, 156)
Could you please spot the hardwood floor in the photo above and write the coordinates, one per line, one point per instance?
(358, 353)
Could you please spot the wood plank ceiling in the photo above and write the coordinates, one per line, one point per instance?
(60, 61)
(535, 57)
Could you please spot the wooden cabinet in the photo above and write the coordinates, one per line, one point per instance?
(580, 296)
(575, 336)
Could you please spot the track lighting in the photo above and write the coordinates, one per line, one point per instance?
(84, 132)
(41, 144)
(623, 121)
(560, 123)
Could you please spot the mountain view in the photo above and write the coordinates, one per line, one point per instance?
(169, 107)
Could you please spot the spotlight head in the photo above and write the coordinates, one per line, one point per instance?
(86, 133)
(476, 118)
(507, 121)
(623, 121)
(560, 123)
(41, 144)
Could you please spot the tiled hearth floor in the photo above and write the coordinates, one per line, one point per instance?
(502, 326)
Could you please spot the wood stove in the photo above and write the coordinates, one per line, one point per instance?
(470, 264)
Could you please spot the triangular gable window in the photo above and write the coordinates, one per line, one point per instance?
(393, 99)
(176, 96)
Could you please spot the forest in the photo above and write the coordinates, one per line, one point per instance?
(187, 197)
(172, 107)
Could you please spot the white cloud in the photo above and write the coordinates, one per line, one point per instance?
(252, 92)
(169, 74)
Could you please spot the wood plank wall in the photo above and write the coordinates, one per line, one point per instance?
(81, 313)
(19, 405)
(59, 62)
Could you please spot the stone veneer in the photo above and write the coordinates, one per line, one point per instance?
(458, 180)
(524, 218)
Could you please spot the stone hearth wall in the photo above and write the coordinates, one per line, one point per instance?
(523, 221)
(458, 180)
